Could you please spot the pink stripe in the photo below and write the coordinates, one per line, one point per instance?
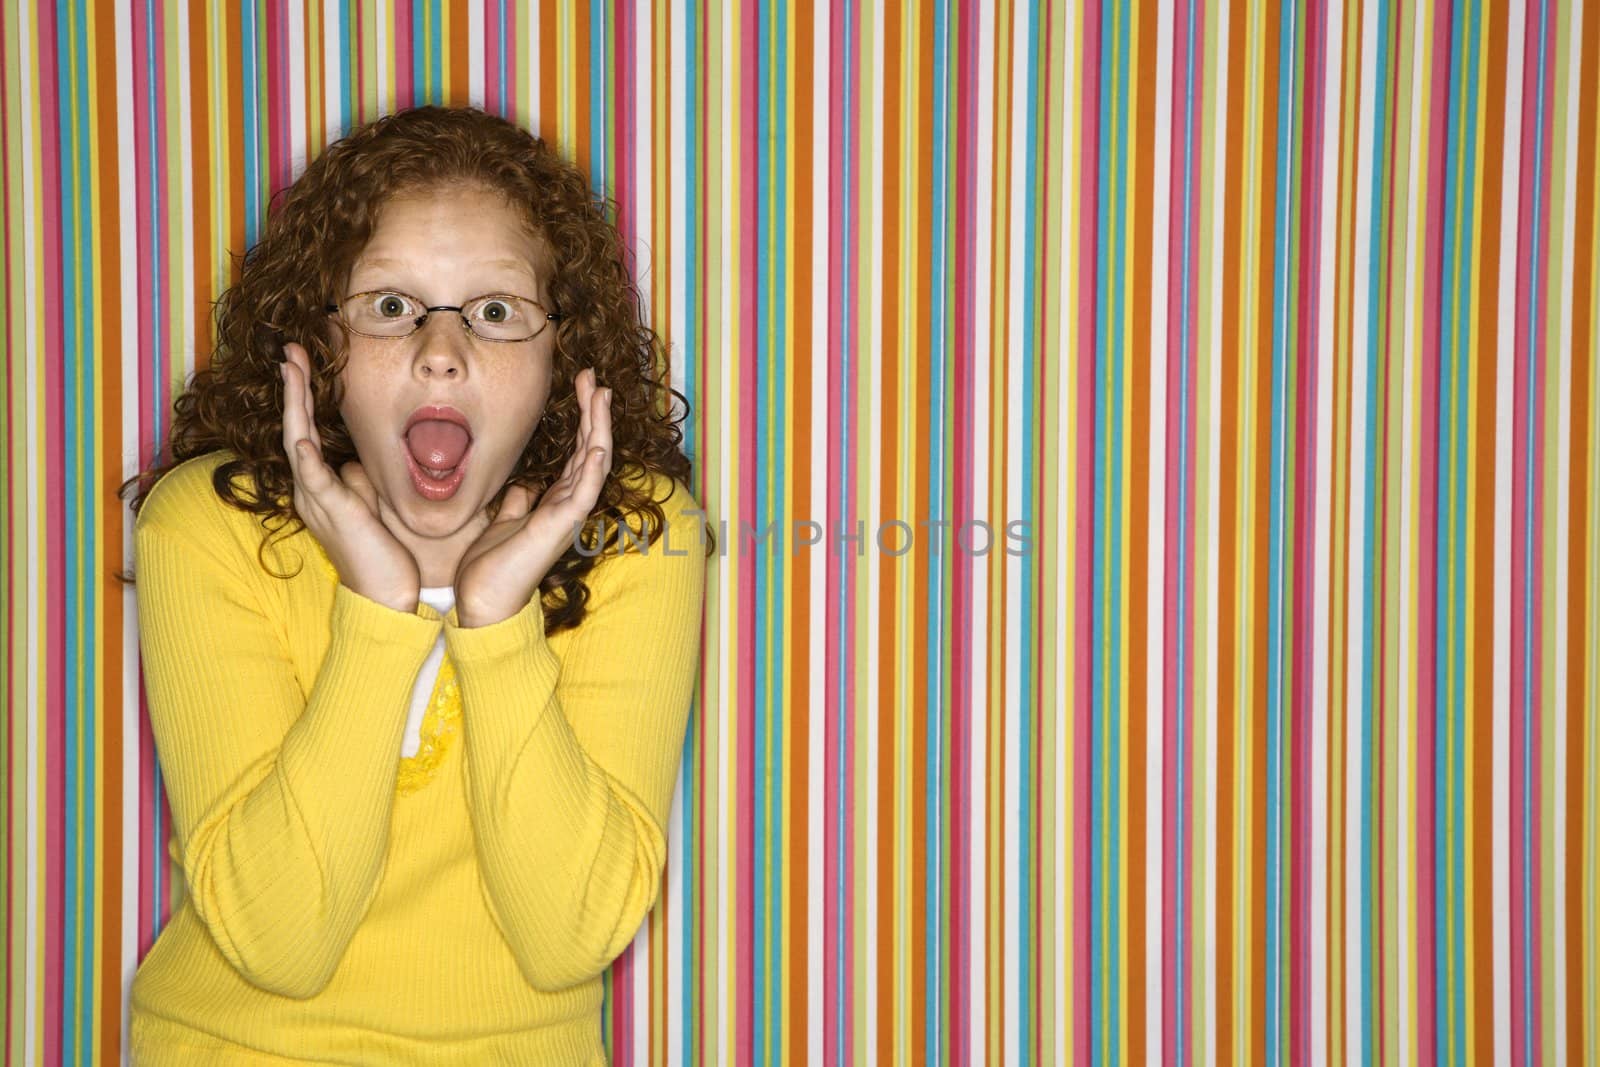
(1427, 621)
(961, 918)
(748, 292)
(839, 906)
(1084, 586)
(277, 117)
(622, 181)
(405, 82)
(1174, 600)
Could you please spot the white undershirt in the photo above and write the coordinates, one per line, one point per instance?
(441, 599)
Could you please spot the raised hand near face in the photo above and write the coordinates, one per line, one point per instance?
(342, 510)
(500, 571)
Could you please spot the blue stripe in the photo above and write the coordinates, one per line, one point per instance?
(1443, 787)
(1117, 369)
(1287, 92)
(1026, 963)
(346, 41)
(599, 163)
(1462, 422)
(1097, 803)
(777, 41)
(693, 890)
(252, 122)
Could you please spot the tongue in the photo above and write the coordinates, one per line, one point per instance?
(437, 444)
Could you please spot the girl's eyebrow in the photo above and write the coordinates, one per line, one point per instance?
(501, 264)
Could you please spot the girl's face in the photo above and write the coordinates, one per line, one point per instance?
(444, 247)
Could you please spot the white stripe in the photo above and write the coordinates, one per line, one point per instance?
(1017, 280)
(1504, 420)
(678, 299)
(333, 53)
(1323, 530)
(871, 975)
(477, 61)
(817, 983)
(978, 634)
(128, 251)
(1156, 607)
(1072, 273)
(1355, 589)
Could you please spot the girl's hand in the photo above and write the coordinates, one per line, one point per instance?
(500, 571)
(341, 510)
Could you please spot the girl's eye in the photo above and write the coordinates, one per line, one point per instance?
(390, 305)
(497, 311)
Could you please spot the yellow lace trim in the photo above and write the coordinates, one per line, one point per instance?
(440, 724)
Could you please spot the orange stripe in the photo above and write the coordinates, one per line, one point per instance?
(1261, 562)
(108, 222)
(460, 73)
(549, 60)
(798, 856)
(1139, 367)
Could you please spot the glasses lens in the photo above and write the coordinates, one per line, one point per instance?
(384, 313)
(504, 318)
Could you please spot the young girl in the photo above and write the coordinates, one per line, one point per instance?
(418, 706)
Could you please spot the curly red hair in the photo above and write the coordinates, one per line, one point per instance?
(304, 256)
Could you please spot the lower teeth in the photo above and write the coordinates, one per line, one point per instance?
(438, 476)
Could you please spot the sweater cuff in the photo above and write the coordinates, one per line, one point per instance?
(504, 669)
(373, 657)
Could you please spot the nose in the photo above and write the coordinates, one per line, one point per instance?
(442, 347)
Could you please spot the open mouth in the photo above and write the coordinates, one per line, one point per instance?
(437, 444)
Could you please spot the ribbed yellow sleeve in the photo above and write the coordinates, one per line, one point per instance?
(569, 795)
(281, 788)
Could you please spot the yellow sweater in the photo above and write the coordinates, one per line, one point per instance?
(348, 905)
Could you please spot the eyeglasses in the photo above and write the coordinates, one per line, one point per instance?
(494, 317)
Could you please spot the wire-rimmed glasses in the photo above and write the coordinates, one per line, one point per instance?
(389, 313)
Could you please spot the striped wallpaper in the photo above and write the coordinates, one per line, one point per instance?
(1268, 732)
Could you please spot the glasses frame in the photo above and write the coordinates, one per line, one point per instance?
(427, 312)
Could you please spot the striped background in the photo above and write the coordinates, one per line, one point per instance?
(1274, 322)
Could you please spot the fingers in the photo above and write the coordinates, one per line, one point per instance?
(354, 476)
(516, 504)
